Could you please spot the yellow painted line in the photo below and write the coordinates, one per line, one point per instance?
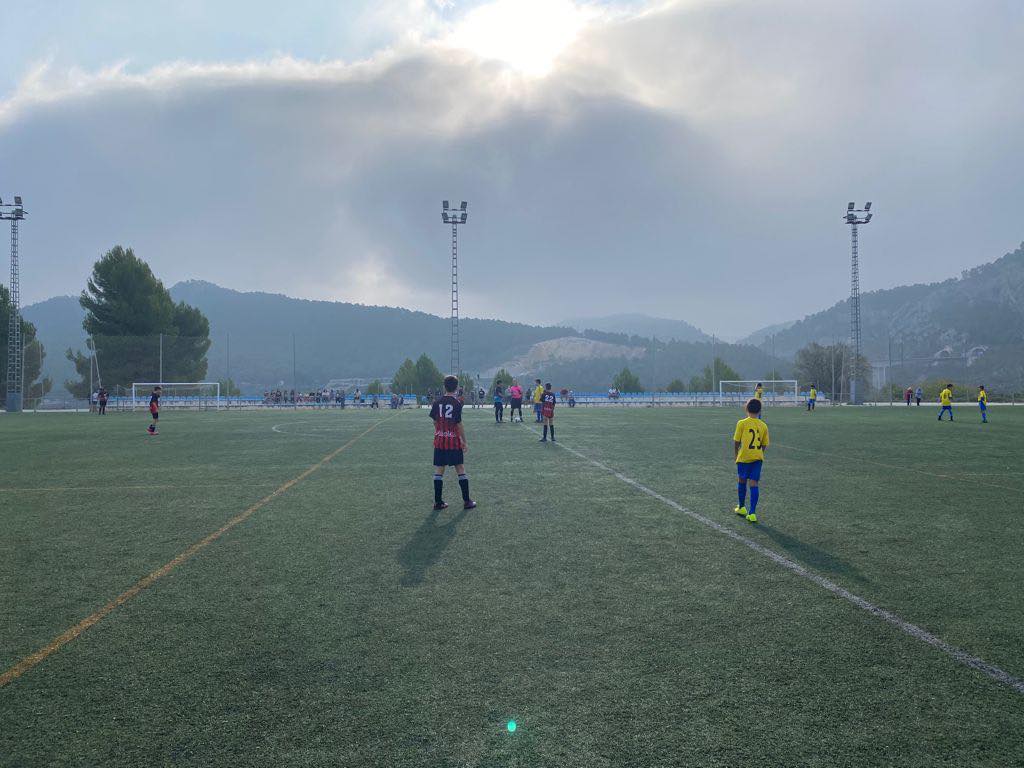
(112, 487)
(70, 634)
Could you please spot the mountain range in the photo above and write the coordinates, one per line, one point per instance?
(972, 324)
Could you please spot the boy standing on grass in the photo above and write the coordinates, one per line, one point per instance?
(547, 406)
(449, 443)
(749, 443)
(499, 403)
(538, 395)
(812, 397)
(983, 403)
(515, 393)
(946, 399)
(154, 409)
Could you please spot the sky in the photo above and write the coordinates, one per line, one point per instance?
(689, 159)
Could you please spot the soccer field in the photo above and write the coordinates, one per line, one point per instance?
(333, 619)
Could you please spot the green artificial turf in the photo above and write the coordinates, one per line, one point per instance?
(345, 623)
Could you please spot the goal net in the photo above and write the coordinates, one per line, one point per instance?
(775, 392)
(190, 395)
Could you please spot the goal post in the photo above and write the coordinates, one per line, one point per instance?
(185, 395)
(776, 392)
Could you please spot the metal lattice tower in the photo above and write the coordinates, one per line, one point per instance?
(855, 217)
(15, 341)
(455, 217)
(855, 331)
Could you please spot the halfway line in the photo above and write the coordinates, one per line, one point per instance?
(961, 657)
(68, 635)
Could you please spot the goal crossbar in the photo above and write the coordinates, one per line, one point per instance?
(176, 399)
(775, 391)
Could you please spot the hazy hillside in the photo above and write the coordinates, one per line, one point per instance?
(982, 312)
(676, 359)
(761, 335)
(637, 324)
(58, 323)
(332, 339)
(335, 339)
(568, 351)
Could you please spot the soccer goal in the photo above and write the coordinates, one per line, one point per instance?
(776, 392)
(190, 395)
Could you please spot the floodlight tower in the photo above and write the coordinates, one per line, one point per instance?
(855, 217)
(15, 343)
(455, 217)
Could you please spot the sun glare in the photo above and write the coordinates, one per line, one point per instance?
(528, 35)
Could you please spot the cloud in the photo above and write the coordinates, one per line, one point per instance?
(690, 159)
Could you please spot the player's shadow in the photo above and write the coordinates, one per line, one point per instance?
(812, 556)
(426, 547)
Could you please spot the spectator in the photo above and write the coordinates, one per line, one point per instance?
(918, 394)
(102, 397)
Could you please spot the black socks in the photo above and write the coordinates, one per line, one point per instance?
(464, 485)
(438, 485)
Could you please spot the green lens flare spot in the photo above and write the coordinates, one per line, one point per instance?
(511, 726)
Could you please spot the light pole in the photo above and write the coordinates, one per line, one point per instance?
(855, 217)
(15, 343)
(455, 217)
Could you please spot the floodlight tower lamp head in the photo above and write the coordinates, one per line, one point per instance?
(867, 206)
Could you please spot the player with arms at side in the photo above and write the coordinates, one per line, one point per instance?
(547, 410)
(946, 399)
(154, 409)
(538, 395)
(449, 443)
(983, 403)
(812, 397)
(749, 443)
(515, 401)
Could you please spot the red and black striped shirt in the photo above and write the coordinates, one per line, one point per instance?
(447, 414)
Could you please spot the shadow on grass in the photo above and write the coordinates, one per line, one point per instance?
(810, 555)
(426, 547)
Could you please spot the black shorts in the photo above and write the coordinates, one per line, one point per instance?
(448, 457)
(155, 415)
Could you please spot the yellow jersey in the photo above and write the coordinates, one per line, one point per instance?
(982, 396)
(946, 397)
(814, 394)
(538, 394)
(758, 392)
(752, 435)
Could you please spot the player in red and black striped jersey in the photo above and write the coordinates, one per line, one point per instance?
(449, 442)
(547, 411)
(154, 409)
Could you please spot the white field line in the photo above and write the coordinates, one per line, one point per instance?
(916, 632)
